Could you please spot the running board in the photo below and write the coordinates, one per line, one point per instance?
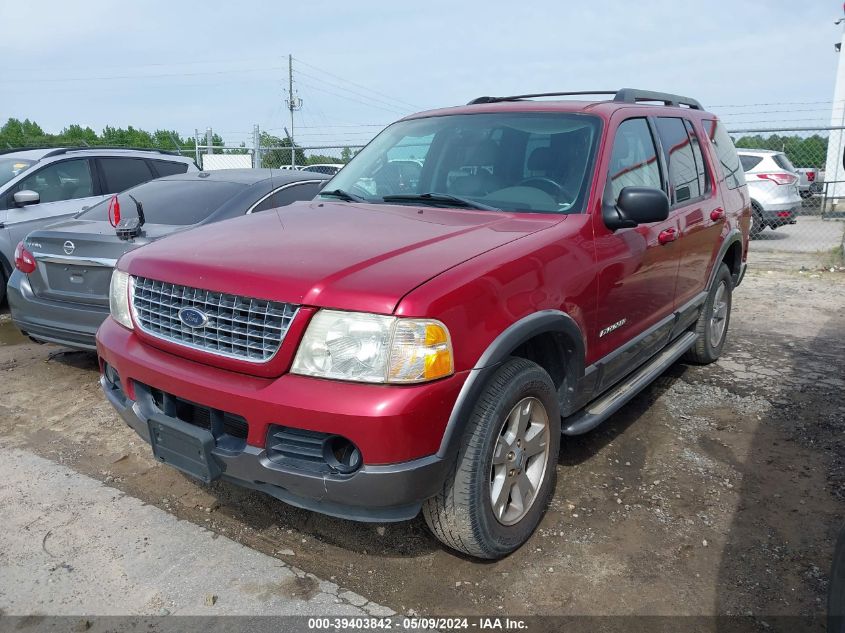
(599, 410)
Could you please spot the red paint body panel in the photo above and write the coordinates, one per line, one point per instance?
(476, 271)
(388, 424)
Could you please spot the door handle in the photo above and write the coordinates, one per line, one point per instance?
(717, 214)
(669, 235)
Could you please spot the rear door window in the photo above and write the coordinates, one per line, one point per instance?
(169, 168)
(175, 202)
(677, 149)
(121, 173)
(633, 162)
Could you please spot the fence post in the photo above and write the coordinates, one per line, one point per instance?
(208, 141)
(256, 144)
(197, 146)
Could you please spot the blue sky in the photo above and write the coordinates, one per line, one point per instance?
(184, 65)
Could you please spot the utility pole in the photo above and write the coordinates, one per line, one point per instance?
(209, 139)
(256, 144)
(834, 172)
(197, 146)
(294, 103)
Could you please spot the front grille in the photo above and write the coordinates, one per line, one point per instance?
(236, 327)
(219, 422)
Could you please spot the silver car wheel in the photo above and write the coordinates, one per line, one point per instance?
(719, 317)
(520, 461)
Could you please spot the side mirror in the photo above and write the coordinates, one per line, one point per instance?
(636, 205)
(26, 197)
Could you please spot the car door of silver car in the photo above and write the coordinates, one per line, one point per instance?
(63, 188)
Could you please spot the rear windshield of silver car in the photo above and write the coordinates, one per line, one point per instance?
(11, 167)
(513, 161)
(176, 202)
(783, 162)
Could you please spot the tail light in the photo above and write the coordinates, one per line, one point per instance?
(811, 176)
(24, 260)
(780, 178)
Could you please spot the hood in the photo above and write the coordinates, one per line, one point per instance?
(330, 254)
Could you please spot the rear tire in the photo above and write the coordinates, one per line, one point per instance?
(713, 322)
(757, 224)
(499, 486)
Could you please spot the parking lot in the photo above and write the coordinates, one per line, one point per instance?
(717, 490)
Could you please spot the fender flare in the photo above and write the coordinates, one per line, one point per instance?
(733, 237)
(542, 322)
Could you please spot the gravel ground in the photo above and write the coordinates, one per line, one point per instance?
(717, 490)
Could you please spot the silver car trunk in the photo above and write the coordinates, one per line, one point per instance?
(76, 258)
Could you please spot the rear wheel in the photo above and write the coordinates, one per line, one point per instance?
(757, 224)
(504, 474)
(712, 324)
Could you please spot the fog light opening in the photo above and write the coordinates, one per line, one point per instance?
(341, 454)
(111, 375)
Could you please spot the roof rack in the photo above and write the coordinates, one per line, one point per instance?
(625, 95)
(56, 151)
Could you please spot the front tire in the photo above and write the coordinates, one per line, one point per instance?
(713, 322)
(504, 474)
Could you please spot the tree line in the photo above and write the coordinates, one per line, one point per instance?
(810, 151)
(17, 133)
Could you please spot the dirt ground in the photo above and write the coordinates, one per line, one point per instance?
(717, 490)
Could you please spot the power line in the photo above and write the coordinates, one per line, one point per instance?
(354, 92)
(371, 105)
(404, 103)
(216, 72)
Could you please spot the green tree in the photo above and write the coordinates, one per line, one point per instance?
(277, 156)
(345, 155)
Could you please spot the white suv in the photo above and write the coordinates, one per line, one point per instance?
(773, 187)
(42, 186)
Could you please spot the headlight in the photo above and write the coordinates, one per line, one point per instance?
(374, 348)
(119, 298)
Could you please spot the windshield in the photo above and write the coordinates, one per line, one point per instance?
(510, 161)
(11, 167)
(176, 202)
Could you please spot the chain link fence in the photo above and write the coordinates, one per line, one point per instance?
(797, 211)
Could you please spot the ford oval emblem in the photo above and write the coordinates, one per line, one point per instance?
(192, 317)
(69, 247)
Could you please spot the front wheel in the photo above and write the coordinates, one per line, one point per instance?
(504, 474)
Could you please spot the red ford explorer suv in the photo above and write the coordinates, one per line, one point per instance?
(476, 282)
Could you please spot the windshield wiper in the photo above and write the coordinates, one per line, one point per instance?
(343, 195)
(439, 198)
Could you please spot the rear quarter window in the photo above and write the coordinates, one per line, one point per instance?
(121, 173)
(725, 153)
(169, 168)
(749, 162)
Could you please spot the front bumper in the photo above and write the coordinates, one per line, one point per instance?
(397, 429)
(70, 324)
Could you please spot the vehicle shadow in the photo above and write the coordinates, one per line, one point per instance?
(581, 448)
(791, 492)
(409, 539)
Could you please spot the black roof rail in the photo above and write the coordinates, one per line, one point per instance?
(625, 95)
(633, 95)
(540, 94)
(56, 151)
